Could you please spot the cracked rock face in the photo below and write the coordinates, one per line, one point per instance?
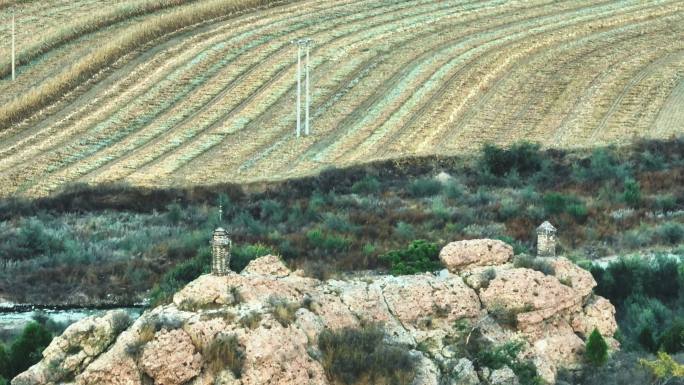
(275, 317)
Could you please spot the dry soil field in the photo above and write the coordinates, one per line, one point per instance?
(162, 93)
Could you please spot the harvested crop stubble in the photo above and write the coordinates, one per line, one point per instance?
(214, 102)
(145, 32)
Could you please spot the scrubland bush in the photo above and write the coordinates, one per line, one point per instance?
(405, 230)
(251, 320)
(522, 158)
(631, 192)
(670, 233)
(360, 356)
(224, 352)
(534, 263)
(424, 187)
(602, 165)
(496, 357)
(557, 203)
(367, 185)
(420, 256)
(283, 311)
(241, 255)
(28, 348)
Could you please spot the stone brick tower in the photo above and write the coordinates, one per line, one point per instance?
(220, 252)
(546, 240)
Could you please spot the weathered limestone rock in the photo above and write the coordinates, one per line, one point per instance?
(71, 352)
(530, 297)
(268, 265)
(286, 362)
(463, 373)
(503, 376)
(171, 358)
(572, 275)
(461, 255)
(427, 372)
(564, 349)
(421, 312)
(598, 313)
(119, 369)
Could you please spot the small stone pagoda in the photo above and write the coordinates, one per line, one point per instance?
(220, 252)
(546, 240)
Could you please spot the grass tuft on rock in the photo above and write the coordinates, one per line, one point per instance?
(361, 356)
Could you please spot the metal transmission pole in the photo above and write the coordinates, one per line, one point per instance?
(302, 43)
(13, 44)
(308, 99)
(299, 90)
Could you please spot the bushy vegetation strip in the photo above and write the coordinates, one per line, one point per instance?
(364, 217)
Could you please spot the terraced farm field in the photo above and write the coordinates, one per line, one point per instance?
(177, 93)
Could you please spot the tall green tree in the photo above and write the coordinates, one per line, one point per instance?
(28, 348)
(596, 349)
(4, 363)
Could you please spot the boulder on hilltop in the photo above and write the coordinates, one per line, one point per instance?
(262, 326)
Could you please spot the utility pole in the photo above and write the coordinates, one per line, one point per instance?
(13, 44)
(303, 43)
(299, 90)
(308, 99)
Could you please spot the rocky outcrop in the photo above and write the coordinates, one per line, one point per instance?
(262, 326)
(598, 313)
(461, 255)
(76, 348)
(171, 358)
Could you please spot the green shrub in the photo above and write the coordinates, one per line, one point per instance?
(283, 311)
(354, 356)
(596, 351)
(28, 348)
(522, 158)
(507, 355)
(271, 210)
(557, 203)
(174, 213)
(454, 190)
(420, 256)
(329, 242)
(657, 278)
(5, 365)
(368, 249)
(241, 255)
(632, 193)
(672, 340)
(602, 165)
(180, 275)
(538, 264)
(424, 187)
(405, 230)
(646, 340)
(665, 202)
(367, 185)
(224, 352)
(670, 232)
